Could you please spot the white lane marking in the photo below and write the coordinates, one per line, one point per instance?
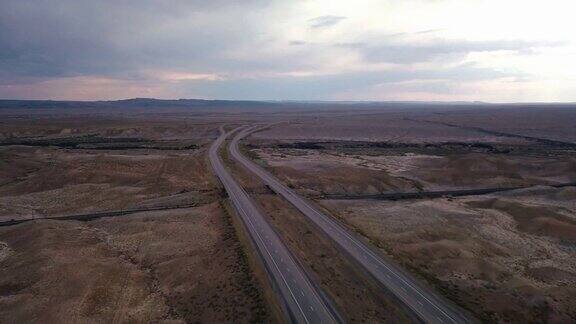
(365, 250)
(286, 192)
(276, 265)
(238, 205)
(274, 262)
(233, 150)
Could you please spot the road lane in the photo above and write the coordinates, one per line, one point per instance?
(302, 300)
(425, 304)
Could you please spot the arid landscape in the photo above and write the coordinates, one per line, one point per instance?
(507, 256)
(178, 265)
(175, 250)
(295, 162)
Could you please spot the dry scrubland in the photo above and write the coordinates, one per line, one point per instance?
(549, 122)
(410, 124)
(506, 257)
(46, 181)
(52, 169)
(375, 152)
(369, 126)
(356, 295)
(183, 265)
(328, 171)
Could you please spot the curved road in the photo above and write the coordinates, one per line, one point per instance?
(302, 300)
(425, 304)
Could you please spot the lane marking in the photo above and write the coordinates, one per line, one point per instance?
(229, 185)
(233, 149)
(321, 219)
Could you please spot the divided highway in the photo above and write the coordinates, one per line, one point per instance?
(426, 305)
(302, 300)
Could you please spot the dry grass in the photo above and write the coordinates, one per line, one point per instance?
(357, 296)
(332, 172)
(184, 266)
(504, 257)
(44, 181)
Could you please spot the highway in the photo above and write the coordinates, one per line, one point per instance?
(301, 299)
(425, 304)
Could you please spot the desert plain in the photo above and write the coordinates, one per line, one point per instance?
(496, 236)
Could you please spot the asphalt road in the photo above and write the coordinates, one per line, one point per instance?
(424, 303)
(302, 300)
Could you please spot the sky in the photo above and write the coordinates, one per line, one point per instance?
(376, 50)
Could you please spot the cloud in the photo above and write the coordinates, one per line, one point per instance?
(316, 87)
(429, 31)
(414, 52)
(68, 38)
(82, 87)
(325, 21)
(351, 85)
(259, 49)
(297, 43)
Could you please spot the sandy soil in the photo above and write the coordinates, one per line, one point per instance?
(403, 124)
(506, 257)
(485, 170)
(55, 174)
(40, 182)
(177, 266)
(180, 266)
(555, 123)
(136, 125)
(375, 127)
(357, 297)
(333, 172)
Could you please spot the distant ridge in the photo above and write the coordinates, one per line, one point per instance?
(191, 103)
(151, 102)
(128, 103)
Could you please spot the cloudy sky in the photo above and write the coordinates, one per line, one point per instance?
(489, 50)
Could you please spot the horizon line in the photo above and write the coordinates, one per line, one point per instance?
(470, 102)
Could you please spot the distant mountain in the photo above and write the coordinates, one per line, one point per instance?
(129, 103)
(191, 103)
